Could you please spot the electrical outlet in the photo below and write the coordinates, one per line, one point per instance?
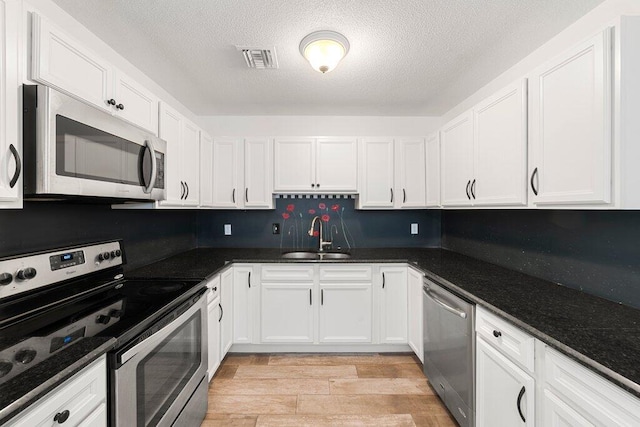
(227, 229)
(414, 228)
(275, 228)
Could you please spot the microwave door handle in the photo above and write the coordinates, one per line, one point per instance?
(154, 166)
(446, 306)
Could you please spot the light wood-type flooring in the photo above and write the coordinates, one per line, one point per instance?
(323, 390)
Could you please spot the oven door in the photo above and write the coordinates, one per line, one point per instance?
(162, 375)
(82, 151)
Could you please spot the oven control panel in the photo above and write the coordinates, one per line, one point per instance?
(33, 271)
(31, 351)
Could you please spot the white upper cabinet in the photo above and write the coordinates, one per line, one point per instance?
(227, 173)
(258, 173)
(500, 148)
(304, 165)
(433, 170)
(182, 158)
(206, 170)
(456, 143)
(61, 62)
(10, 140)
(375, 169)
(410, 173)
(571, 126)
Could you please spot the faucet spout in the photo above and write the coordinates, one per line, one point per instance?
(322, 243)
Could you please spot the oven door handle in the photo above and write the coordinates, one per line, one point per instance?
(444, 305)
(154, 166)
(151, 342)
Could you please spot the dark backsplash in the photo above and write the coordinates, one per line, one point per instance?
(348, 227)
(594, 251)
(148, 235)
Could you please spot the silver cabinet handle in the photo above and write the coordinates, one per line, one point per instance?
(249, 279)
(391, 195)
(383, 280)
(233, 195)
(404, 195)
(533, 187)
(519, 404)
(310, 297)
(16, 174)
(468, 183)
(183, 190)
(246, 195)
(473, 189)
(444, 305)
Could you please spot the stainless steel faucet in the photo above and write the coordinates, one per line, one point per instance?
(323, 243)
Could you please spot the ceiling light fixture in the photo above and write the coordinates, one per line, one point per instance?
(324, 49)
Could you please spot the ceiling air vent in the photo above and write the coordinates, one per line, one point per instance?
(256, 57)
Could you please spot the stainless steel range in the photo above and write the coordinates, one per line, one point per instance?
(157, 372)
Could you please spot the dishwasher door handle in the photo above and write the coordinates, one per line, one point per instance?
(444, 305)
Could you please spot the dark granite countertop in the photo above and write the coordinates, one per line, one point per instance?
(23, 390)
(598, 333)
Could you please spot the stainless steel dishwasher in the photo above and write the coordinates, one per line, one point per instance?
(449, 350)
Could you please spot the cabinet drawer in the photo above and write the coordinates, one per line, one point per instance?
(81, 395)
(592, 396)
(337, 273)
(214, 285)
(509, 339)
(274, 273)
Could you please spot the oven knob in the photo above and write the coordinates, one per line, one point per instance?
(5, 367)
(103, 319)
(115, 313)
(114, 255)
(118, 252)
(26, 355)
(106, 255)
(6, 278)
(27, 274)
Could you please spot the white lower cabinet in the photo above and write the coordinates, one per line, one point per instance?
(82, 399)
(414, 315)
(226, 311)
(392, 285)
(287, 312)
(345, 312)
(505, 393)
(245, 295)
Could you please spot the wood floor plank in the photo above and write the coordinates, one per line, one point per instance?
(400, 420)
(226, 371)
(251, 371)
(224, 420)
(339, 359)
(380, 386)
(403, 370)
(434, 421)
(369, 404)
(264, 386)
(246, 359)
(252, 405)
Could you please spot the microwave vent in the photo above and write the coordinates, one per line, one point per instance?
(260, 58)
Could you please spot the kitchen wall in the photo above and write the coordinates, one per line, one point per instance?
(148, 235)
(347, 227)
(594, 251)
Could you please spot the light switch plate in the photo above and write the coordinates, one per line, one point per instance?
(414, 228)
(227, 229)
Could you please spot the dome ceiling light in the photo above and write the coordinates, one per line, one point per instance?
(324, 49)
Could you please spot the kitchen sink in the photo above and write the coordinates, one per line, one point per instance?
(315, 255)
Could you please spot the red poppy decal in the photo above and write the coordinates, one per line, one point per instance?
(312, 211)
(325, 218)
(285, 215)
(322, 206)
(290, 208)
(316, 233)
(335, 208)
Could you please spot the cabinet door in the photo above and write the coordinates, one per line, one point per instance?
(63, 63)
(213, 324)
(570, 128)
(245, 285)
(500, 147)
(226, 312)
(294, 163)
(393, 304)
(337, 165)
(500, 400)
(345, 312)
(456, 143)
(375, 173)
(258, 173)
(10, 140)
(414, 328)
(410, 172)
(558, 413)
(226, 175)
(171, 132)
(189, 163)
(206, 170)
(433, 170)
(135, 103)
(287, 311)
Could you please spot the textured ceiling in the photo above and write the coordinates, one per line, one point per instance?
(407, 57)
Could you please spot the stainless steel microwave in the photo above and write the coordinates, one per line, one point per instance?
(74, 150)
